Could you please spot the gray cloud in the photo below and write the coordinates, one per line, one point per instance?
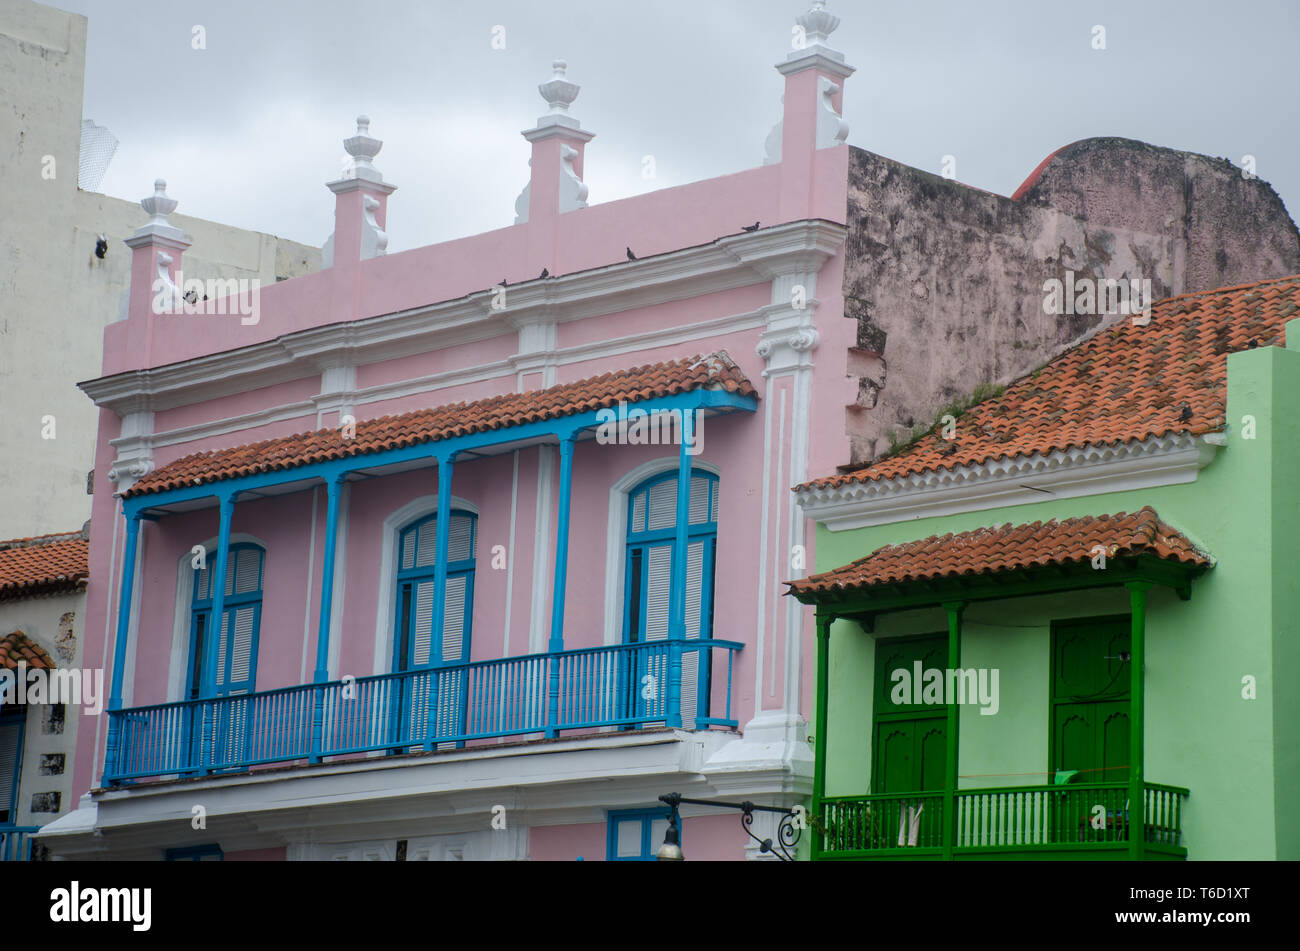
(248, 130)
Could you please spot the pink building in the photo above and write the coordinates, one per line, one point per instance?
(502, 559)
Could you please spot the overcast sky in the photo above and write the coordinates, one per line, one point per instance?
(248, 130)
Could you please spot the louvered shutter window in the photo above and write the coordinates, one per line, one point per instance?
(453, 624)
(663, 505)
(691, 659)
(460, 538)
(241, 649)
(652, 522)
(243, 574)
(434, 684)
(423, 632)
(10, 748)
(427, 547)
(699, 506)
(408, 550)
(659, 587)
(236, 648)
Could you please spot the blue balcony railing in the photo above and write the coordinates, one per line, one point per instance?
(624, 685)
(16, 843)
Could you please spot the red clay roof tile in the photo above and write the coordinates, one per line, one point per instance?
(18, 648)
(1125, 384)
(712, 371)
(43, 565)
(1008, 547)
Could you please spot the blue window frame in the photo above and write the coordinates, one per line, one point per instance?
(196, 853)
(235, 672)
(647, 589)
(13, 721)
(236, 668)
(440, 685)
(634, 835)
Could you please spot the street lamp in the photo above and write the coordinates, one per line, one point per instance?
(787, 836)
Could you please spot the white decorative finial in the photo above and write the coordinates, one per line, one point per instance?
(159, 205)
(559, 93)
(817, 24)
(362, 147)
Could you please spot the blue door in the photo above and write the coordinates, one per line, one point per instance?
(235, 671)
(430, 702)
(651, 539)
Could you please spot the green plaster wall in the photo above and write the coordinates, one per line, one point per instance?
(1285, 440)
(1239, 758)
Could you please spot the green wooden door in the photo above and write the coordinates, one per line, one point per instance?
(909, 743)
(1090, 699)
(1090, 728)
(910, 754)
(1093, 738)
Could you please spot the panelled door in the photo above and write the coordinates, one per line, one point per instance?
(909, 742)
(1091, 717)
(1090, 700)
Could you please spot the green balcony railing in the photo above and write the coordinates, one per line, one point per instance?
(1013, 819)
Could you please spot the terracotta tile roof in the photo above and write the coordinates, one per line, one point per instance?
(1126, 383)
(18, 648)
(44, 565)
(713, 371)
(1008, 547)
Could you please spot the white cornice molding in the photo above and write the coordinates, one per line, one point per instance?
(380, 392)
(725, 264)
(1018, 480)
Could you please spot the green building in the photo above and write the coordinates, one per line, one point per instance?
(1073, 612)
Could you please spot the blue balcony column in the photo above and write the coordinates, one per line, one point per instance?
(119, 646)
(556, 644)
(208, 683)
(677, 607)
(442, 539)
(333, 487)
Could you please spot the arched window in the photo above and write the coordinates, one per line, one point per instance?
(417, 547)
(236, 665)
(413, 643)
(648, 594)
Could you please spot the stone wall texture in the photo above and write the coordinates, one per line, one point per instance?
(946, 281)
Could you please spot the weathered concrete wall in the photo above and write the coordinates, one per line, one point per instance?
(56, 622)
(56, 296)
(946, 281)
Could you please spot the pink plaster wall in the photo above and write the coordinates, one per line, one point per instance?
(704, 838)
(808, 183)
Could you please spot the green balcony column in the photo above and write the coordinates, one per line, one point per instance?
(821, 716)
(1137, 594)
(954, 609)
